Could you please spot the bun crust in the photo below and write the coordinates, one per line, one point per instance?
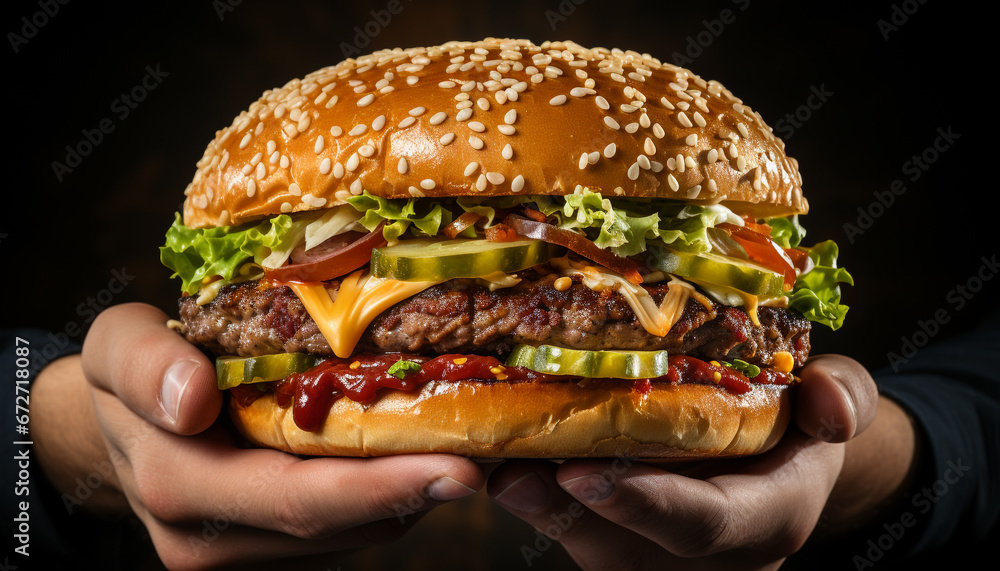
(533, 420)
(493, 118)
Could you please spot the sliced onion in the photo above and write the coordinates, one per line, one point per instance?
(578, 244)
(459, 224)
(335, 262)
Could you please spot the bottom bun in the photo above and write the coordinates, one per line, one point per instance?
(533, 420)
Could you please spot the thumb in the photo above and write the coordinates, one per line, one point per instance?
(130, 352)
(836, 400)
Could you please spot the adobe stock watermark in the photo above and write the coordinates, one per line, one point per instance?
(957, 298)
(695, 45)
(914, 168)
(922, 503)
(366, 33)
(786, 126)
(563, 11)
(563, 521)
(121, 108)
(32, 24)
(224, 7)
(87, 310)
(899, 15)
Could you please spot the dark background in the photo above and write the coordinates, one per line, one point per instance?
(894, 76)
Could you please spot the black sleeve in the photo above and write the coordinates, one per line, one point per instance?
(952, 391)
(50, 530)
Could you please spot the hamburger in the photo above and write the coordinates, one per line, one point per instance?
(502, 249)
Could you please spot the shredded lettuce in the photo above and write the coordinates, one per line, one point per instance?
(197, 253)
(816, 294)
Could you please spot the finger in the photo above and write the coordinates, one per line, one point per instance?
(837, 399)
(528, 489)
(131, 353)
(772, 502)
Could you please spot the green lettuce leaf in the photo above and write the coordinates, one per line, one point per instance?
(196, 253)
(816, 293)
(787, 232)
(399, 214)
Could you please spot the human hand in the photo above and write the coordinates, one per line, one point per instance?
(745, 513)
(205, 501)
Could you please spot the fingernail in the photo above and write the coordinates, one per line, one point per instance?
(174, 382)
(592, 488)
(446, 489)
(526, 494)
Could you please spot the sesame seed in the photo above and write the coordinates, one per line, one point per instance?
(680, 162)
(712, 156)
(407, 122)
(602, 102)
(610, 150)
(271, 147)
(471, 168)
(358, 130)
(558, 100)
(438, 118)
(674, 185)
(666, 103)
(324, 167)
(618, 77)
(283, 162)
(656, 166)
(627, 108)
(483, 103)
(508, 152)
(643, 162)
(633, 171)
(261, 170)
(366, 100)
(481, 183)
(510, 117)
(691, 139)
(475, 142)
(378, 123)
(463, 114)
(318, 147)
(580, 91)
(245, 141)
(251, 187)
(501, 97)
(427, 184)
(734, 151)
(366, 151)
(649, 147)
(632, 127)
(506, 129)
(495, 178)
(338, 170)
(352, 163)
(743, 129)
(477, 126)
(658, 131)
(313, 200)
(699, 119)
(336, 131)
(356, 187)
(446, 139)
(610, 122)
(256, 159)
(291, 130)
(682, 118)
(644, 121)
(741, 164)
(593, 157)
(286, 207)
(583, 161)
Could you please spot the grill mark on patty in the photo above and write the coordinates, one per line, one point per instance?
(463, 316)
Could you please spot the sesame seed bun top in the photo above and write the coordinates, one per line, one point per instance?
(493, 118)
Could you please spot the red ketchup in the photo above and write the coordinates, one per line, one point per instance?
(311, 393)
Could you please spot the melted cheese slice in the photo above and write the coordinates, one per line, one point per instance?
(656, 319)
(360, 299)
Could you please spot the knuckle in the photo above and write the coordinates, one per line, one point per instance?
(705, 534)
(158, 499)
(293, 517)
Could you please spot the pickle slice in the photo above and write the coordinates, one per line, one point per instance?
(233, 371)
(440, 260)
(743, 275)
(597, 364)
